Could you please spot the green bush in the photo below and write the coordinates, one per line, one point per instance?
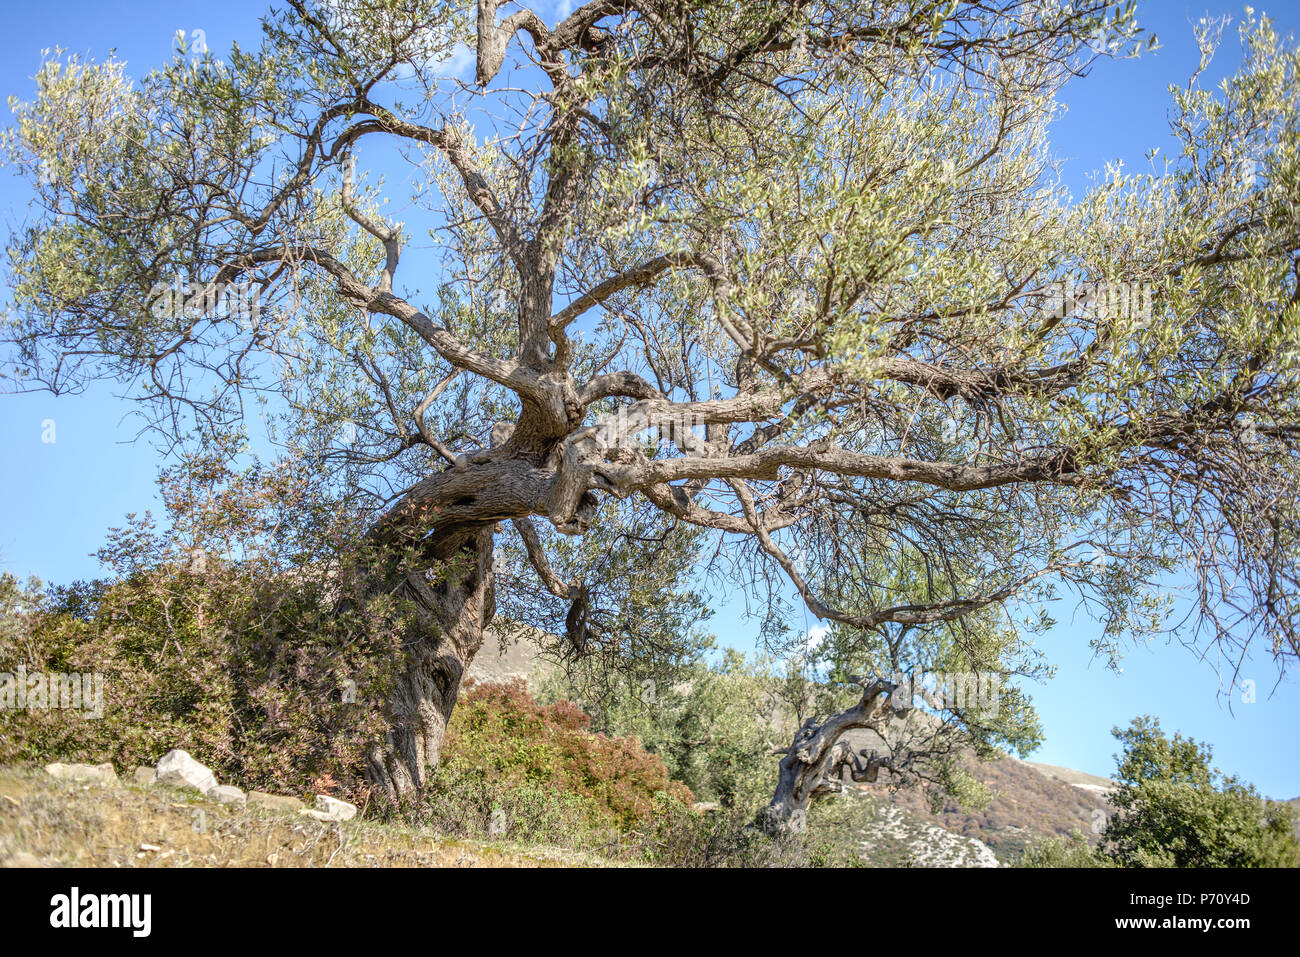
(1174, 810)
(1072, 851)
(713, 727)
(249, 676)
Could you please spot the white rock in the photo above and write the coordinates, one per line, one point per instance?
(334, 809)
(102, 773)
(225, 794)
(178, 769)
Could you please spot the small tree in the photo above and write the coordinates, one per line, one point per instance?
(1173, 810)
(937, 696)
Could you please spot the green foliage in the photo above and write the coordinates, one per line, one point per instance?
(1174, 810)
(260, 679)
(956, 782)
(273, 689)
(1072, 851)
(714, 725)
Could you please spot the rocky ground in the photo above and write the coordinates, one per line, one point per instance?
(88, 821)
(46, 821)
(920, 844)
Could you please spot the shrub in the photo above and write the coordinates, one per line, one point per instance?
(1174, 810)
(1072, 851)
(713, 727)
(247, 675)
(501, 733)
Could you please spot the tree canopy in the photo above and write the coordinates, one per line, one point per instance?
(821, 248)
(1174, 810)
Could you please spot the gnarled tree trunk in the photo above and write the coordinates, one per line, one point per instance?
(815, 761)
(452, 613)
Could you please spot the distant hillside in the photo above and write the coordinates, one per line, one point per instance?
(1027, 805)
(1080, 779)
(508, 653)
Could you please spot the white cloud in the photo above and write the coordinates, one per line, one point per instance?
(815, 634)
(460, 64)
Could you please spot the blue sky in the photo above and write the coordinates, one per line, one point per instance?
(59, 497)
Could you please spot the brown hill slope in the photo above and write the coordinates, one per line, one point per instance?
(1027, 805)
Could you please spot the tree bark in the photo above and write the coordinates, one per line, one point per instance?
(815, 761)
(452, 613)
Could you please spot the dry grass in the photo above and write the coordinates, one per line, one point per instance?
(63, 823)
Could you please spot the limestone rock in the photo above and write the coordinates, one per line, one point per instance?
(178, 769)
(100, 773)
(334, 809)
(225, 794)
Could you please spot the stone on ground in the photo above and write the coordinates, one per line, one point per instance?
(178, 769)
(101, 773)
(333, 809)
